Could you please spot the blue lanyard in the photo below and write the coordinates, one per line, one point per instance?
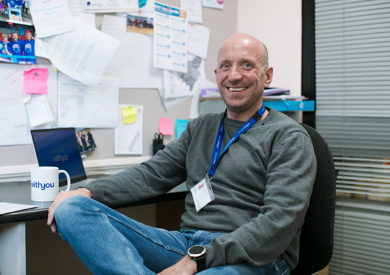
(218, 142)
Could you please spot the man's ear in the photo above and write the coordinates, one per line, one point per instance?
(216, 75)
(268, 76)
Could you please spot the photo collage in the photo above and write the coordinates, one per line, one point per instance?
(17, 32)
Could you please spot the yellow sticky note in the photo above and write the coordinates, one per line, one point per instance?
(129, 115)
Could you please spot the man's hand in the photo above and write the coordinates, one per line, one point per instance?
(185, 266)
(63, 195)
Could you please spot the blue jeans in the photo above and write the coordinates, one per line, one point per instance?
(110, 243)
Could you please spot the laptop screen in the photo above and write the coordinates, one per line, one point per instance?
(58, 147)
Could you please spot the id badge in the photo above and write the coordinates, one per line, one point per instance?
(202, 194)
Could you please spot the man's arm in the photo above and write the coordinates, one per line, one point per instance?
(60, 198)
(152, 178)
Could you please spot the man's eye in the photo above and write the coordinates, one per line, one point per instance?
(224, 66)
(247, 65)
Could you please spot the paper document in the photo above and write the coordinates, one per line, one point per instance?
(210, 92)
(82, 54)
(38, 110)
(6, 207)
(132, 62)
(82, 106)
(110, 5)
(280, 97)
(198, 40)
(170, 38)
(170, 103)
(215, 4)
(77, 11)
(178, 84)
(146, 8)
(14, 125)
(129, 138)
(51, 17)
(194, 10)
(39, 48)
(204, 83)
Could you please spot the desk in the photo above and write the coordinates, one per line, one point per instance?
(13, 227)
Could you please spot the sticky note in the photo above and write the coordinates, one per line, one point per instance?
(38, 110)
(180, 126)
(35, 81)
(129, 114)
(166, 127)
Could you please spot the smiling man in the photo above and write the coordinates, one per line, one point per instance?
(29, 48)
(242, 75)
(17, 46)
(250, 172)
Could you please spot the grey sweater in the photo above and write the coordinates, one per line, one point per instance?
(262, 186)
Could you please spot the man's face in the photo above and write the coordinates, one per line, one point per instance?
(15, 37)
(28, 36)
(241, 76)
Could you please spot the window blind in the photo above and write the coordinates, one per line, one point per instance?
(361, 238)
(352, 56)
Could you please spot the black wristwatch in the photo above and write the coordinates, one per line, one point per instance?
(198, 254)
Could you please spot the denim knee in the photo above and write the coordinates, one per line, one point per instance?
(70, 210)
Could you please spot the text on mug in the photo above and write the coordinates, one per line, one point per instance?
(42, 186)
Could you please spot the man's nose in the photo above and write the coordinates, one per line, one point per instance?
(235, 74)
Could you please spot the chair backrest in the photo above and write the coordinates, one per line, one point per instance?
(316, 244)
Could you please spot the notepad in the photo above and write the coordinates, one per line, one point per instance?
(6, 207)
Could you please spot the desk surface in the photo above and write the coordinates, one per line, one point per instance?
(20, 192)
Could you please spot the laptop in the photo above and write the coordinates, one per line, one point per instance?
(58, 147)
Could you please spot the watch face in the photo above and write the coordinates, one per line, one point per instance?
(197, 249)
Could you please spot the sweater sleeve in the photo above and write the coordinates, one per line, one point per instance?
(152, 178)
(290, 177)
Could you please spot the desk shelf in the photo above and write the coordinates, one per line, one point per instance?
(216, 105)
(284, 105)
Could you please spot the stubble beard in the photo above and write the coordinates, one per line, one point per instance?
(246, 106)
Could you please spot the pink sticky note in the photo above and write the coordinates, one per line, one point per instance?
(166, 127)
(35, 81)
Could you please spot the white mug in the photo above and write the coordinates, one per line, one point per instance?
(44, 183)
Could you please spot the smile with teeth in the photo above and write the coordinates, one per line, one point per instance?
(237, 89)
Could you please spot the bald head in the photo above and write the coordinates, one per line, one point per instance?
(243, 39)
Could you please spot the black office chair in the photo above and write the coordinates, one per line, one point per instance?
(316, 245)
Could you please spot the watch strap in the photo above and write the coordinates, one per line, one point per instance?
(198, 257)
(201, 262)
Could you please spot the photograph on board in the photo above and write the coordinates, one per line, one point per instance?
(15, 11)
(17, 43)
(139, 24)
(85, 140)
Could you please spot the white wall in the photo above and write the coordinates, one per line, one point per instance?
(278, 24)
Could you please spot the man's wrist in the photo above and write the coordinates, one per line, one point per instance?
(191, 264)
(84, 192)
